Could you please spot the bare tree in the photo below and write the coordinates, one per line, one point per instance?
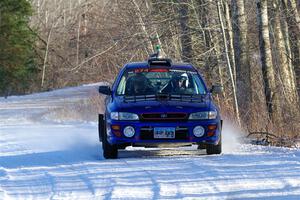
(285, 68)
(241, 58)
(296, 37)
(228, 62)
(230, 37)
(186, 42)
(272, 98)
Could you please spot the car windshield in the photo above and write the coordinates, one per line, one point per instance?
(160, 81)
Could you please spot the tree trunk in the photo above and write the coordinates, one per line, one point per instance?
(241, 59)
(148, 43)
(185, 36)
(204, 23)
(296, 38)
(272, 99)
(295, 13)
(287, 43)
(230, 38)
(287, 76)
(78, 40)
(228, 62)
(46, 57)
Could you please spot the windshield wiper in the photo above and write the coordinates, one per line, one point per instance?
(136, 98)
(165, 97)
(187, 97)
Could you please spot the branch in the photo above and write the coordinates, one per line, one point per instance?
(91, 58)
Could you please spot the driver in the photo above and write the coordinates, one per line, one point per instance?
(177, 84)
(180, 83)
(141, 85)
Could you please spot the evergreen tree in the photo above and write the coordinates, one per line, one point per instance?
(16, 46)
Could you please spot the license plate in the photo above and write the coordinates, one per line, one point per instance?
(164, 132)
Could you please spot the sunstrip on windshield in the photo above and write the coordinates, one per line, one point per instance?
(141, 70)
(159, 70)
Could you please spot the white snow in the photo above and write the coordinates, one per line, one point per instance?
(42, 157)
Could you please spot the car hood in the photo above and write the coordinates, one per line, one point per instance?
(161, 106)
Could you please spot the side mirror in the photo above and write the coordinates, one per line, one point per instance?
(216, 89)
(104, 89)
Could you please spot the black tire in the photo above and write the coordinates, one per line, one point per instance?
(122, 146)
(109, 151)
(214, 149)
(100, 126)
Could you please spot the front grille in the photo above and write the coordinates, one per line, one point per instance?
(163, 117)
(146, 133)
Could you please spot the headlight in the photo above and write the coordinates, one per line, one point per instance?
(204, 115)
(123, 116)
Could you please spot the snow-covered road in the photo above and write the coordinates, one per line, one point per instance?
(43, 156)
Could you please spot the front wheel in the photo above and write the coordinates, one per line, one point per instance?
(109, 151)
(214, 149)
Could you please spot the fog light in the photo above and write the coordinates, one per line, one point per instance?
(199, 131)
(129, 131)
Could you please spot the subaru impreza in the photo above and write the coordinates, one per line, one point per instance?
(158, 102)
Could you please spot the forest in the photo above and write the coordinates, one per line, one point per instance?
(250, 47)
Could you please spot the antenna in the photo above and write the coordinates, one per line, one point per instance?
(157, 53)
(158, 50)
(156, 59)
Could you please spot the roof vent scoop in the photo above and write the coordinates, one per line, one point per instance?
(155, 59)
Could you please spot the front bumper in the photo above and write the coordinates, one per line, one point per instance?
(184, 132)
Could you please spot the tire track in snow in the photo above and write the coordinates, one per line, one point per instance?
(3, 177)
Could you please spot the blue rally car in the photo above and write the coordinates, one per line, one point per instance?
(159, 102)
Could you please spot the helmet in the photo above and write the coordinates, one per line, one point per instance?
(180, 77)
